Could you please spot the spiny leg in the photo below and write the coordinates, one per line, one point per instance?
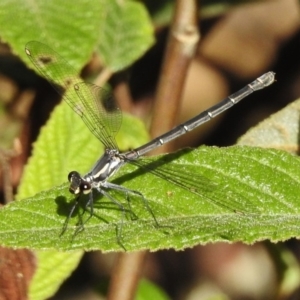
(65, 226)
(118, 229)
(90, 203)
(80, 228)
(127, 191)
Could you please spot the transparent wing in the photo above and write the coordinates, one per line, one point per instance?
(214, 193)
(106, 123)
(96, 107)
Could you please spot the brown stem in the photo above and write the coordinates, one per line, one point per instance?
(122, 92)
(182, 44)
(126, 274)
(6, 173)
(5, 156)
(103, 77)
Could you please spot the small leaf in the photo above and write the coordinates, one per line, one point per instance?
(121, 31)
(55, 268)
(74, 35)
(148, 291)
(126, 33)
(280, 131)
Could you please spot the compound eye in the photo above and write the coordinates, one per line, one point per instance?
(73, 175)
(85, 187)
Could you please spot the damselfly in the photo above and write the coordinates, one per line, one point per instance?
(102, 116)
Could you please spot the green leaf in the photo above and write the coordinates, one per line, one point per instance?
(53, 268)
(72, 30)
(121, 31)
(287, 268)
(148, 291)
(126, 33)
(280, 131)
(236, 194)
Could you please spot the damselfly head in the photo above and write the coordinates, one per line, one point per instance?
(77, 184)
